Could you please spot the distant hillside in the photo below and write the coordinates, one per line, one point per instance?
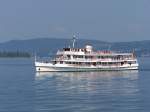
(142, 48)
(49, 46)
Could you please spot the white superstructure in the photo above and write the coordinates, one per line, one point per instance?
(86, 59)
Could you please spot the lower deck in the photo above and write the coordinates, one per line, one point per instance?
(48, 67)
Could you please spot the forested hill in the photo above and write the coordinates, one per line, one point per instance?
(49, 46)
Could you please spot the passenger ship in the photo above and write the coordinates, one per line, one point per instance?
(86, 59)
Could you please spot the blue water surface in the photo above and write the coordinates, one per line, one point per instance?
(24, 90)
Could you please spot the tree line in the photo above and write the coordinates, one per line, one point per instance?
(14, 54)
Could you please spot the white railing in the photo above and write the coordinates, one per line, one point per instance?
(93, 60)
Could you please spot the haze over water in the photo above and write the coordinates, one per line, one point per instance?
(23, 90)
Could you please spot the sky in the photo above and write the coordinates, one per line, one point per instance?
(106, 20)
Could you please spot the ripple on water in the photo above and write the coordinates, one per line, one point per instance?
(87, 91)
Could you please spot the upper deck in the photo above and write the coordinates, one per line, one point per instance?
(89, 52)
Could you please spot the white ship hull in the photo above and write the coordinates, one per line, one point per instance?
(49, 67)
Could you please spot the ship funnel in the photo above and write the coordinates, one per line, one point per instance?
(89, 48)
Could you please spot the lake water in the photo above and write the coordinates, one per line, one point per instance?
(23, 90)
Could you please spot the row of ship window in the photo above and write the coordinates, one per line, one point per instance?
(92, 57)
(95, 63)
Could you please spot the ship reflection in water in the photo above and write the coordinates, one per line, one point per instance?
(87, 91)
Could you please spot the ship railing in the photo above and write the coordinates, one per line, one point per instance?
(69, 52)
(83, 59)
(43, 59)
(91, 53)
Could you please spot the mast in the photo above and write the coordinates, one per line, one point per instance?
(73, 41)
(35, 58)
(133, 54)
